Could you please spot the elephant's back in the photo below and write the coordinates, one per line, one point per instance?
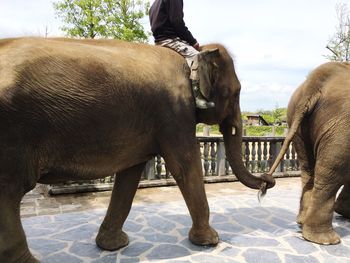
(61, 85)
(83, 72)
(335, 98)
(327, 89)
(332, 111)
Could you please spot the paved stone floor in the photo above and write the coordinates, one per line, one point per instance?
(159, 223)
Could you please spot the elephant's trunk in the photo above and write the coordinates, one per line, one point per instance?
(232, 133)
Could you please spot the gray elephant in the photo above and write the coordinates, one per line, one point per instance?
(318, 115)
(84, 109)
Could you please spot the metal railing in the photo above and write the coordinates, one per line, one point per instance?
(258, 154)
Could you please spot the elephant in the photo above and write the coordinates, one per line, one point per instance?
(84, 109)
(317, 115)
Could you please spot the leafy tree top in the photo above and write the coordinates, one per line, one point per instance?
(120, 19)
(339, 44)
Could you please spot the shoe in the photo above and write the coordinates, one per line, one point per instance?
(201, 102)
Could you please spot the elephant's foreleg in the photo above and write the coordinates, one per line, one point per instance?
(342, 205)
(13, 244)
(185, 166)
(110, 235)
(307, 165)
(317, 226)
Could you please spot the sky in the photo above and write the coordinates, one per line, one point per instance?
(275, 43)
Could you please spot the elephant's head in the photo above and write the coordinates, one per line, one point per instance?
(225, 93)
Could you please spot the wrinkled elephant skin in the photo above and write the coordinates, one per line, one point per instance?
(86, 109)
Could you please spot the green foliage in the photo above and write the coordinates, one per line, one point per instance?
(214, 129)
(269, 118)
(249, 130)
(275, 116)
(265, 130)
(118, 19)
(279, 115)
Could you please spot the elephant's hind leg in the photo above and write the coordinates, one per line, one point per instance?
(307, 165)
(110, 235)
(342, 205)
(317, 226)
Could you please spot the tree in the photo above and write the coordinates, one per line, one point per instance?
(339, 44)
(279, 114)
(123, 19)
(118, 19)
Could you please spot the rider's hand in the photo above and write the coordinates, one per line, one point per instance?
(196, 46)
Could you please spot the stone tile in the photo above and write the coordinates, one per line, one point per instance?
(207, 258)
(253, 223)
(243, 240)
(160, 238)
(178, 261)
(300, 245)
(337, 250)
(46, 246)
(184, 220)
(36, 231)
(37, 220)
(136, 249)
(230, 252)
(110, 258)
(83, 249)
(160, 224)
(48, 210)
(28, 211)
(300, 259)
(256, 255)
(129, 260)
(166, 251)
(133, 227)
(61, 258)
(83, 232)
(192, 247)
(227, 227)
(218, 218)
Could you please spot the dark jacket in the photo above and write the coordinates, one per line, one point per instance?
(166, 17)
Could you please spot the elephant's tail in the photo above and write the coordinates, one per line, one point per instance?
(312, 88)
(302, 110)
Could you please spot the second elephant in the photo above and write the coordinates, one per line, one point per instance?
(318, 117)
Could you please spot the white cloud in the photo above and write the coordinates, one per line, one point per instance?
(264, 95)
(27, 17)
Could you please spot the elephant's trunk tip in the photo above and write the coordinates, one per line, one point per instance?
(268, 179)
(268, 182)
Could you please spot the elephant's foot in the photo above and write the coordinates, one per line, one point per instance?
(111, 240)
(301, 218)
(204, 237)
(31, 259)
(342, 208)
(27, 257)
(329, 237)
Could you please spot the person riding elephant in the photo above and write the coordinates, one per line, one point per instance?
(169, 30)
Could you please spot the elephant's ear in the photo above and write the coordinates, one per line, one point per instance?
(210, 54)
(208, 71)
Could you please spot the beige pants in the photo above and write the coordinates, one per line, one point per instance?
(185, 50)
